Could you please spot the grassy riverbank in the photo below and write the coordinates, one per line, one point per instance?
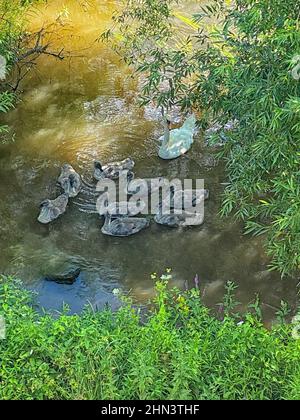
(179, 351)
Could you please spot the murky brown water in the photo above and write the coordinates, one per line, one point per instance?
(81, 109)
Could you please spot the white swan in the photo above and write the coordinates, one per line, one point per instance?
(177, 142)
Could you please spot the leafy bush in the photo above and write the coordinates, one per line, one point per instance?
(13, 42)
(12, 14)
(236, 66)
(6, 103)
(11, 26)
(178, 350)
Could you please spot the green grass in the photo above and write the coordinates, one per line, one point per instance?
(178, 351)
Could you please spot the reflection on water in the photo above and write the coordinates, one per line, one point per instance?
(82, 109)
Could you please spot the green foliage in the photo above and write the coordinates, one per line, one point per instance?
(12, 22)
(11, 26)
(6, 103)
(177, 351)
(240, 69)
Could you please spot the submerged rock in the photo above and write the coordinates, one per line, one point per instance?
(68, 277)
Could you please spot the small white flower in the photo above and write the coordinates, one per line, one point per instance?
(3, 64)
(166, 277)
(116, 292)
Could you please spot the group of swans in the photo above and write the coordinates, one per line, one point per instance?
(118, 224)
(120, 219)
(183, 204)
(71, 184)
(174, 144)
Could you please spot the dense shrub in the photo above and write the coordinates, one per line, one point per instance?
(177, 351)
(12, 20)
(12, 43)
(237, 65)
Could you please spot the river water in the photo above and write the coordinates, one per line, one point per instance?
(82, 109)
